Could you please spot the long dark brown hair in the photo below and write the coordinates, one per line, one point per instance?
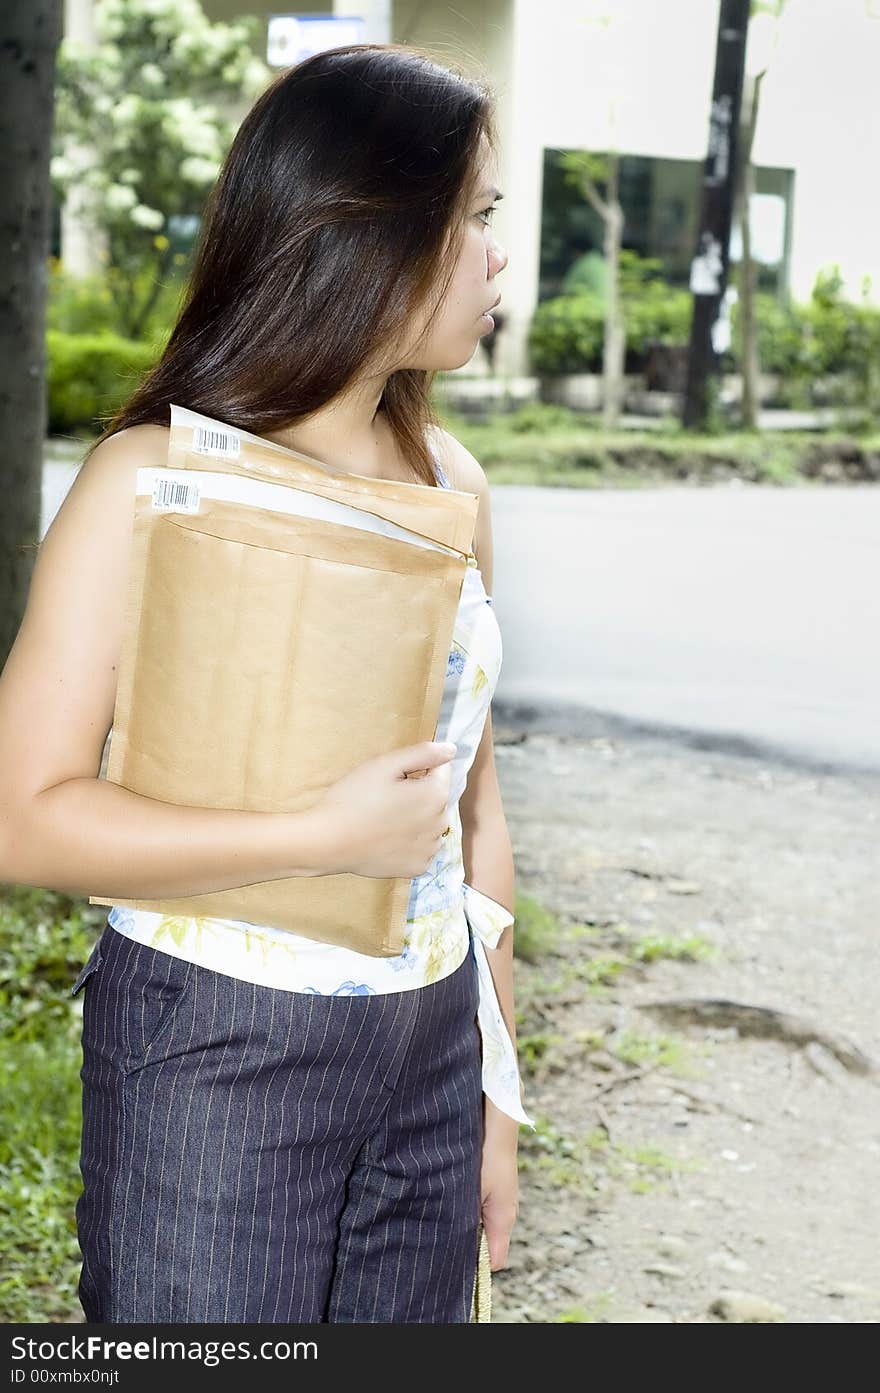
(336, 218)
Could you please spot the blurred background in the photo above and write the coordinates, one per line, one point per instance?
(679, 415)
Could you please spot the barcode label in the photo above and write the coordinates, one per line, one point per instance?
(222, 444)
(172, 495)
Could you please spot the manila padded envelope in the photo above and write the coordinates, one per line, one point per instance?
(285, 621)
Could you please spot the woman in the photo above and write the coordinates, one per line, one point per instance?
(277, 1129)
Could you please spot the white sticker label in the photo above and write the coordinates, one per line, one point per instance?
(222, 444)
(175, 496)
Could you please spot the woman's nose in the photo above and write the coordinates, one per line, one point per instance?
(497, 259)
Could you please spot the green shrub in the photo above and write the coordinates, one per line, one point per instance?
(45, 937)
(90, 375)
(39, 1179)
(568, 331)
(827, 336)
(539, 417)
(100, 302)
(566, 334)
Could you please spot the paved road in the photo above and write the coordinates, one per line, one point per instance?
(735, 615)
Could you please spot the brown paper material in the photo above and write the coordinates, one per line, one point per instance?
(267, 652)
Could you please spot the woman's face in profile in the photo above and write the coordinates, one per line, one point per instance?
(456, 326)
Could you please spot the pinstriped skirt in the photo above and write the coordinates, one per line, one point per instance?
(251, 1154)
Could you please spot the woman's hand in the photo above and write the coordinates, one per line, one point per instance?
(377, 821)
(499, 1182)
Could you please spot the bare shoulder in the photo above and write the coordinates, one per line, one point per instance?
(58, 688)
(465, 472)
(462, 469)
(134, 446)
(101, 497)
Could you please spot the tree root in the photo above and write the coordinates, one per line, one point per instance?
(761, 1022)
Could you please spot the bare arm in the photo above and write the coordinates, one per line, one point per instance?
(88, 836)
(486, 845)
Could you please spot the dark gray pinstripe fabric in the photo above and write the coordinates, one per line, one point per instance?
(258, 1155)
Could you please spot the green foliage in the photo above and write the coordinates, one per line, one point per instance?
(690, 948)
(672, 1051)
(535, 1047)
(39, 1179)
(601, 970)
(536, 417)
(801, 343)
(566, 334)
(584, 169)
(95, 304)
(595, 1313)
(535, 931)
(567, 331)
(583, 455)
(586, 273)
(45, 937)
(560, 1159)
(827, 336)
(90, 375)
(143, 122)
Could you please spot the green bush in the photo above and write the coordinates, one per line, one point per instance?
(92, 365)
(567, 332)
(79, 304)
(44, 940)
(90, 375)
(538, 417)
(97, 303)
(587, 273)
(827, 336)
(45, 937)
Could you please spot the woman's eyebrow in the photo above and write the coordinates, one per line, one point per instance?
(496, 193)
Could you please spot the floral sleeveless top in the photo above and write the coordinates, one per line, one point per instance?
(444, 913)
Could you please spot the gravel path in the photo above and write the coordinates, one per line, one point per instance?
(736, 1175)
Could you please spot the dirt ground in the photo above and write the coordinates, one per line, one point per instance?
(702, 1163)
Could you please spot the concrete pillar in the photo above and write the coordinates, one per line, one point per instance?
(82, 247)
(518, 220)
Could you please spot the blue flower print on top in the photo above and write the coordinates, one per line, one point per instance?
(456, 660)
(121, 917)
(349, 988)
(404, 959)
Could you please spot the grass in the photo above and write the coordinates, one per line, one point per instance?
(536, 930)
(540, 937)
(668, 1051)
(579, 1163)
(690, 948)
(542, 444)
(595, 1313)
(39, 1180)
(45, 937)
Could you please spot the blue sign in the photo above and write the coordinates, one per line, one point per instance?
(291, 38)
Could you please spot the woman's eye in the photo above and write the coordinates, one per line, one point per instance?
(487, 214)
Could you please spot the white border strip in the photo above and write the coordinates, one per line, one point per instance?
(281, 498)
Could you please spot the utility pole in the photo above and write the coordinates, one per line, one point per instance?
(709, 268)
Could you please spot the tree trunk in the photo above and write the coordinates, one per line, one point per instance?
(614, 347)
(31, 31)
(749, 366)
